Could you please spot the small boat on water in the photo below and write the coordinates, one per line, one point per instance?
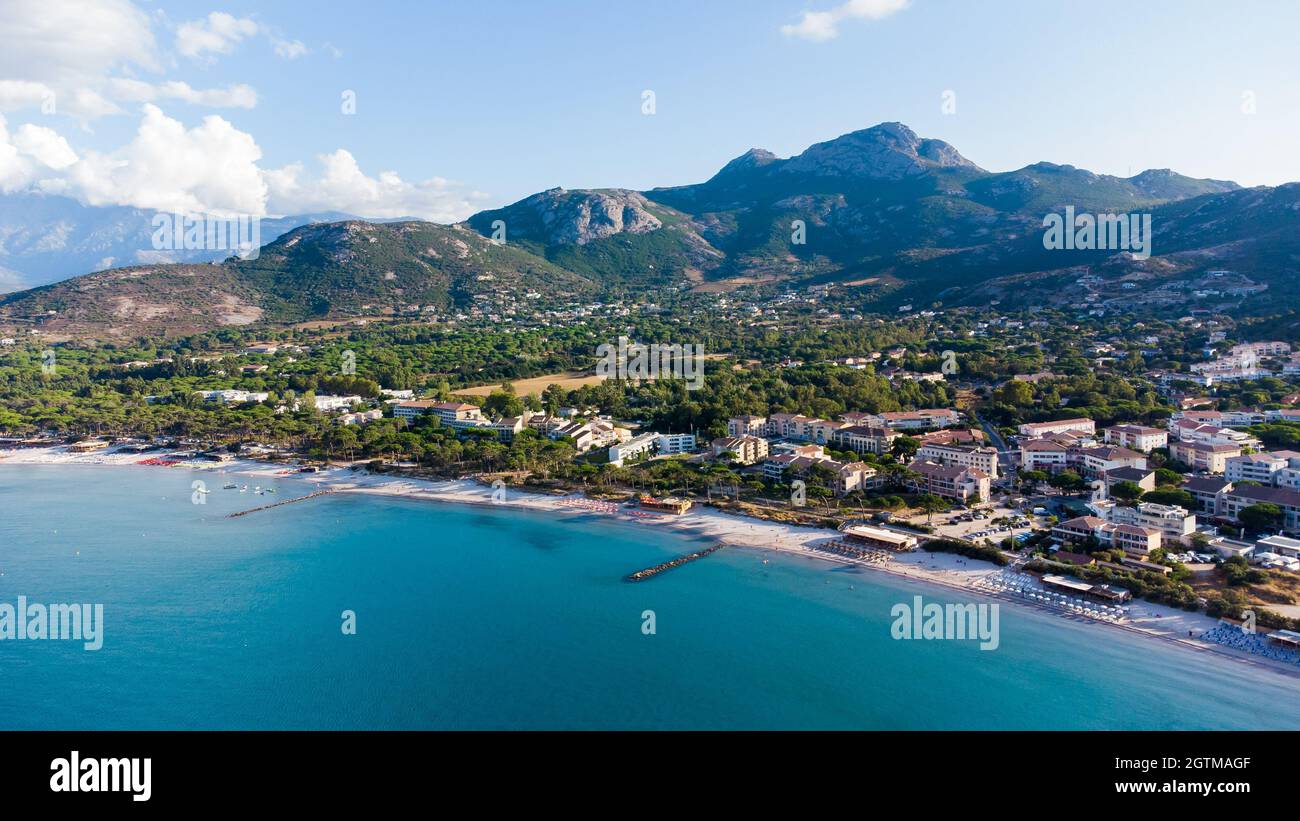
(244, 489)
(229, 486)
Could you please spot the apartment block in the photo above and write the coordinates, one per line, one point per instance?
(964, 484)
(747, 426)
(1203, 457)
(1132, 539)
(982, 458)
(920, 419)
(1136, 437)
(1034, 430)
(1232, 501)
(862, 439)
(671, 444)
(748, 449)
(1206, 491)
(1279, 468)
(1176, 524)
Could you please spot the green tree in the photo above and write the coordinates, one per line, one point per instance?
(1126, 491)
(905, 447)
(1170, 496)
(1261, 517)
(931, 504)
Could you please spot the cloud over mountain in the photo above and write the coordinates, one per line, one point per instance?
(91, 59)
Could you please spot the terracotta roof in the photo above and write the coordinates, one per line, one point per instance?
(1089, 522)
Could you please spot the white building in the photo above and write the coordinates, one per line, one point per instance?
(1045, 455)
(1281, 545)
(1033, 430)
(232, 397)
(982, 458)
(1190, 431)
(1136, 437)
(674, 443)
(360, 418)
(920, 419)
(1280, 468)
(644, 443)
(334, 403)
(1176, 524)
(447, 412)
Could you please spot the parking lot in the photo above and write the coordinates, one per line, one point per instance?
(977, 525)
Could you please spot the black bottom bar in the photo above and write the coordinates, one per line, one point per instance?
(212, 770)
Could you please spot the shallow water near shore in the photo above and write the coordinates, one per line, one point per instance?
(488, 617)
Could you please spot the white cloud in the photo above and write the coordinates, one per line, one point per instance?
(218, 33)
(94, 58)
(211, 168)
(815, 25)
(824, 25)
(138, 91)
(87, 104)
(15, 173)
(289, 49)
(73, 40)
(343, 186)
(29, 153)
(57, 53)
(45, 145)
(234, 96)
(81, 57)
(16, 94)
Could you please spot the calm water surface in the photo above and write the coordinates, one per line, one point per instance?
(493, 618)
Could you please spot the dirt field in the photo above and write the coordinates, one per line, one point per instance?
(537, 384)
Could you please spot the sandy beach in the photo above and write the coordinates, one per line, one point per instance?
(948, 570)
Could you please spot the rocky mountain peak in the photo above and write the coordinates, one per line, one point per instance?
(578, 217)
(889, 151)
(753, 158)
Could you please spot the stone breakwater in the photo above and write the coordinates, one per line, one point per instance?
(239, 513)
(649, 572)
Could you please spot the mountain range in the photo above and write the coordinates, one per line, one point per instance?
(47, 238)
(889, 217)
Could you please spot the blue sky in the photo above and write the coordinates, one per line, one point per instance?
(496, 101)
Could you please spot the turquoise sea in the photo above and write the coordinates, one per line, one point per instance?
(495, 618)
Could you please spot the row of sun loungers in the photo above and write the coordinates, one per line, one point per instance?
(1027, 587)
(1253, 643)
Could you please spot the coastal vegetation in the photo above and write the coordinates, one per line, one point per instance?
(970, 550)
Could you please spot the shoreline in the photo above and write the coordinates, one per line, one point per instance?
(945, 570)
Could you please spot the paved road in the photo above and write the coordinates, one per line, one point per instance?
(1007, 463)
